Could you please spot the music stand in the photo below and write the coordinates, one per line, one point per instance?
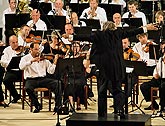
(154, 50)
(82, 30)
(46, 7)
(16, 20)
(135, 22)
(111, 9)
(139, 70)
(65, 66)
(0, 33)
(14, 63)
(94, 24)
(55, 22)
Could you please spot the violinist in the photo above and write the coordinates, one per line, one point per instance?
(12, 75)
(130, 81)
(35, 71)
(55, 47)
(128, 53)
(140, 48)
(22, 35)
(69, 30)
(158, 80)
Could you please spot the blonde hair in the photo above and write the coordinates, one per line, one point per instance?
(109, 25)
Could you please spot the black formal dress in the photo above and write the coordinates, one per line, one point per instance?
(107, 54)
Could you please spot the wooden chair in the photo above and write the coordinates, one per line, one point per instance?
(39, 93)
(154, 95)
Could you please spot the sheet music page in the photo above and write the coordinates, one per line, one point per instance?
(129, 69)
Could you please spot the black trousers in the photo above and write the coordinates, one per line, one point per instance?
(43, 82)
(2, 70)
(146, 88)
(116, 90)
(9, 79)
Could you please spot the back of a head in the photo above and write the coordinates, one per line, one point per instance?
(109, 25)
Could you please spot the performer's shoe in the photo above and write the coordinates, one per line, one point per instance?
(37, 110)
(155, 106)
(4, 104)
(15, 100)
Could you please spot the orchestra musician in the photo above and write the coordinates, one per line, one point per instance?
(117, 21)
(119, 2)
(55, 47)
(10, 10)
(58, 10)
(129, 54)
(75, 21)
(134, 12)
(142, 48)
(159, 17)
(12, 75)
(94, 12)
(69, 30)
(76, 80)
(157, 81)
(35, 68)
(36, 23)
(22, 35)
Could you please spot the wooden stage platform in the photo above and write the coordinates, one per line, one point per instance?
(92, 119)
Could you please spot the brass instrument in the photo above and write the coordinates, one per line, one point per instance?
(92, 14)
(84, 1)
(23, 7)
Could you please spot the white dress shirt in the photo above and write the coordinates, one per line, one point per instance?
(64, 13)
(138, 14)
(138, 48)
(8, 53)
(40, 25)
(121, 2)
(160, 67)
(35, 69)
(101, 14)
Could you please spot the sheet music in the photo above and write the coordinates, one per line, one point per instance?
(129, 69)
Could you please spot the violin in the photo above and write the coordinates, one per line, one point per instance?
(146, 48)
(129, 54)
(47, 56)
(32, 38)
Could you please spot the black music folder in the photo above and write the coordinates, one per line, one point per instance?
(69, 65)
(137, 22)
(14, 63)
(16, 20)
(0, 33)
(55, 22)
(93, 23)
(82, 30)
(140, 68)
(111, 9)
(43, 7)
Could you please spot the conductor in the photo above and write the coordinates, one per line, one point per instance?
(107, 54)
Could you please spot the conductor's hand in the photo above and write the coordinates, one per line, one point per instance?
(151, 27)
(55, 59)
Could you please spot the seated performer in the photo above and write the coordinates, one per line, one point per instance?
(36, 23)
(142, 48)
(155, 82)
(11, 75)
(76, 80)
(35, 69)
